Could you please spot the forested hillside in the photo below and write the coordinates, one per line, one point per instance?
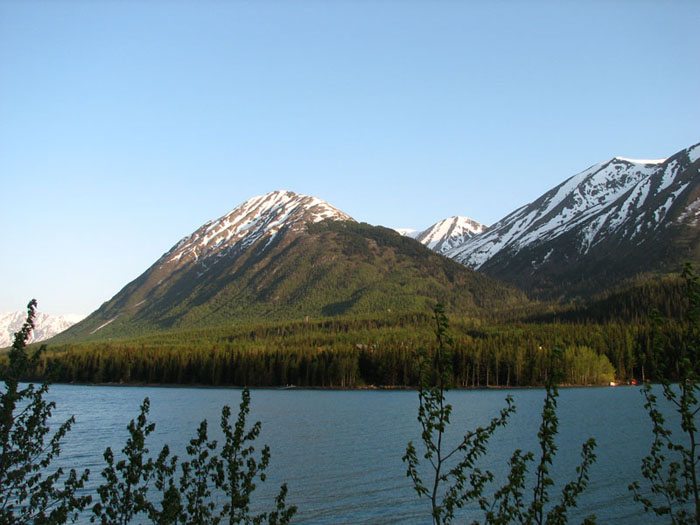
(378, 351)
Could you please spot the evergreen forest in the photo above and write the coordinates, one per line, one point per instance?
(610, 339)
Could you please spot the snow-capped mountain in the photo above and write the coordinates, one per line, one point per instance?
(449, 233)
(252, 227)
(445, 234)
(200, 265)
(621, 216)
(288, 256)
(45, 326)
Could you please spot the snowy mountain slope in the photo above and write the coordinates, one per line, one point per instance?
(258, 218)
(449, 233)
(621, 207)
(46, 326)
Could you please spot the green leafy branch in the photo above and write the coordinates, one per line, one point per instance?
(454, 487)
(671, 467)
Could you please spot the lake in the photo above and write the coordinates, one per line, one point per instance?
(340, 451)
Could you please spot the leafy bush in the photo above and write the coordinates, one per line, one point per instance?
(205, 478)
(455, 478)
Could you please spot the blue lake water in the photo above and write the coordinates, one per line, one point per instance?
(340, 451)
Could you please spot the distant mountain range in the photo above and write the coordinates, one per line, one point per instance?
(46, 326)
(287, 256)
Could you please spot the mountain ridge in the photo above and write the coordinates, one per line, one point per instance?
(45, 326)
(612, 212)
(616, 220)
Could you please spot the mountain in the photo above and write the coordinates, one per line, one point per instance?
(447, 234)
(286, 256)
(408, 232)
(612, 222)
(46, 326)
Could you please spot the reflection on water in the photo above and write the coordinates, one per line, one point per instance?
(340, 451)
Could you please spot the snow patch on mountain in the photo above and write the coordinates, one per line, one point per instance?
(45, 326)
(642, 161)
(694, 153)
(691, 214)
(104, 324)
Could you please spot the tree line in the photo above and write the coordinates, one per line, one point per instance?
(610, 337)
(366, 353)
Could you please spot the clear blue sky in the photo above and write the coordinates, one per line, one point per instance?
(125, 125)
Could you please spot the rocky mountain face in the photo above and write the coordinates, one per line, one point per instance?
(46, 326)
(616, 220)
(288, 256)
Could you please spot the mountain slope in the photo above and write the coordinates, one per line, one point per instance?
(287, 256)
(611, 222)
(45, 326)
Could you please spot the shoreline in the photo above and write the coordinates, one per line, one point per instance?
(328, 388)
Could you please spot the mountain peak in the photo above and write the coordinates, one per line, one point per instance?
(260, 217)
(449, 233)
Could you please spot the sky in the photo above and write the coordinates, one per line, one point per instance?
(126, 125)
